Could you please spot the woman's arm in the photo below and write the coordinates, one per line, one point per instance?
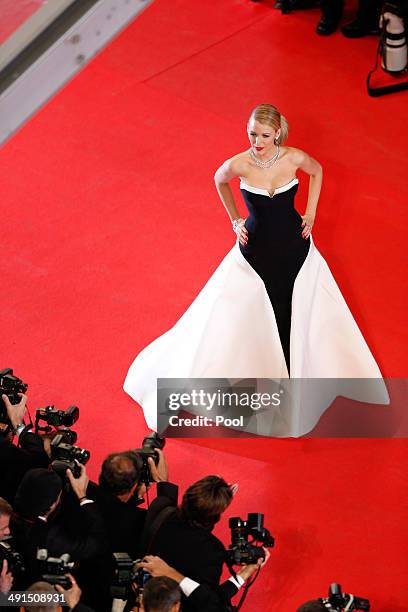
(304, 162)
(224, 174)
(229, 170)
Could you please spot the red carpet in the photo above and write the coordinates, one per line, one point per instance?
(111, 225)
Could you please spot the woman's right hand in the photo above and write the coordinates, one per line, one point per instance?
(242, 232)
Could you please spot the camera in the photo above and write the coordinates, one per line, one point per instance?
(242, 550)
(11, 386)
(14, 559)
(149, 446)
(65, 456)
(337, 601)
(126, 573)
(60, 420)
(53, 569)
(56, 418)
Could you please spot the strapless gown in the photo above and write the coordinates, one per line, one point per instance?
(271, 308)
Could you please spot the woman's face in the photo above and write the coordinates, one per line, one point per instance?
(261, 136)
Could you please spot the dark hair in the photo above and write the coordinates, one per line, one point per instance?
(205, 501)
(42, 587)
(37, 492)
(160, 594)
(312, 606)
(120, 472)
(5, 507)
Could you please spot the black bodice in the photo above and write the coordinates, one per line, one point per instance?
(273, 219)
(275, 249)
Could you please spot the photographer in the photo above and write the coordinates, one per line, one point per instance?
(120, 493)
(45, 519)
(28, 453)
(185, 541)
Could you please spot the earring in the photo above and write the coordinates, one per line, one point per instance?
(276, 140)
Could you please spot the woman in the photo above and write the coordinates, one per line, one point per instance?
(275, 239)
(272, 306)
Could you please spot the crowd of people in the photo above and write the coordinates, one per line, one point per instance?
(69, 543)
(81, 539)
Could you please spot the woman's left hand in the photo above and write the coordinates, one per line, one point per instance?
(307, 225)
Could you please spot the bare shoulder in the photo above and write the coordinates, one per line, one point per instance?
(232, 167)
(239, 163)
(296, 156)
(303, 161)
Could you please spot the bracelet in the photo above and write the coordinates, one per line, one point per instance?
(82, 498)
(236, 223)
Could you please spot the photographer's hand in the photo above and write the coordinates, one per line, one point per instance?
(157, 567)
(6, 578)
(159, 472)
(247, 571)
(72, 595)
(15, 412)
(79, 485)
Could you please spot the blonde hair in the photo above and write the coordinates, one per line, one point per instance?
(269, 115)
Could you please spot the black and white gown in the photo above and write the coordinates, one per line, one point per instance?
(271, 308)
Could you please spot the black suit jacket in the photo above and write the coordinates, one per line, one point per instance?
(15, 461)
(124, 523)
(123, 520)
(198, 554)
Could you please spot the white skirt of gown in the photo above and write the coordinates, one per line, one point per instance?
(230, 331)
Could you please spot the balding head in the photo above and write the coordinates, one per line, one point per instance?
(120, 473)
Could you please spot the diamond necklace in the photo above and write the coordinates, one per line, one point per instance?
(264, 164)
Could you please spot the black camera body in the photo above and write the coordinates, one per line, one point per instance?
(65, 456)
(14, 560)
(53, 569)
(337, 600)
(242, 550)
(149, 446)
(127, 574)
(11, 386)
(59, 420)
